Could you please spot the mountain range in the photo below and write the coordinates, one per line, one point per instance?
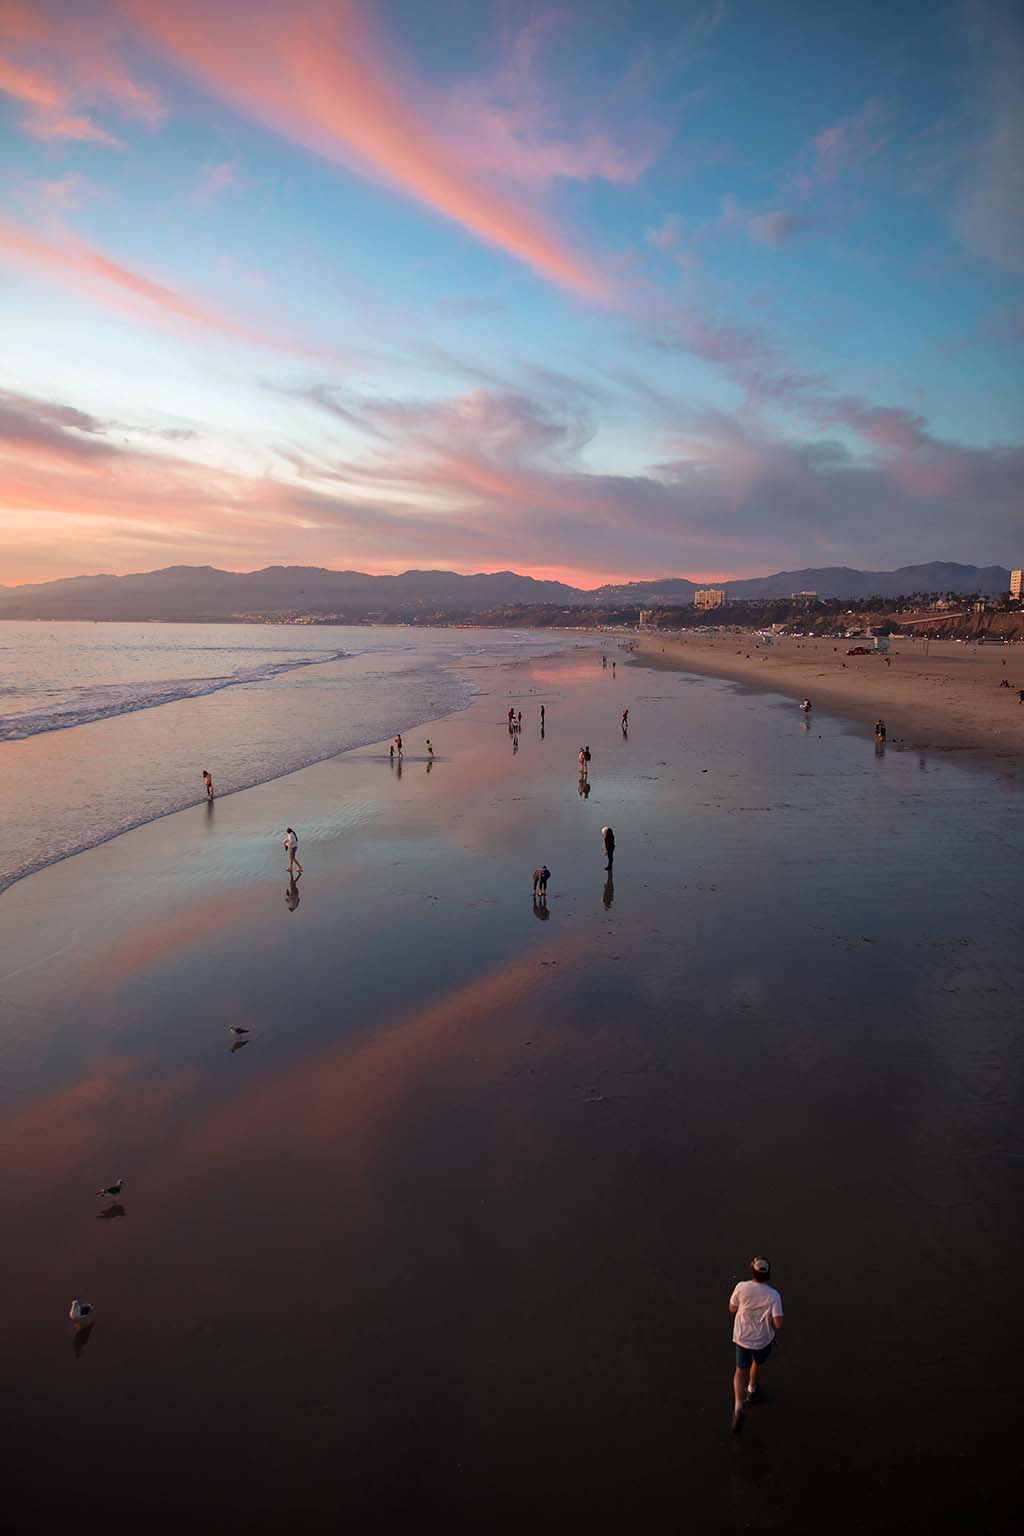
(189, 592)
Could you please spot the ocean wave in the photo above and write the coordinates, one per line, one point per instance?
(104, 701)
(442, 693)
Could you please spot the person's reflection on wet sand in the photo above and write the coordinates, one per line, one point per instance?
(540, 907)
(398, 766)
(583, 787)
(291, 895)
(879, 746)
(608, 894)
(515, 744)
(80, 1338)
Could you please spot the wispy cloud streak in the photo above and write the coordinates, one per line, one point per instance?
(316, 75)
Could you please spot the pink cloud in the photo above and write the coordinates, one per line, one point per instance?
(842, 146)
(31, 88)
(83, 71)
(318, 77)
(213, 180)
(511, 123)
(54, 125)
(87, 270)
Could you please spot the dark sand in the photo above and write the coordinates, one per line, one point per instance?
(448, 1245)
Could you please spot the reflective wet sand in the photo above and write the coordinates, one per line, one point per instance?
(448, 1243)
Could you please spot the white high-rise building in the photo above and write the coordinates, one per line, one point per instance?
(709, 597)
(1016, 577)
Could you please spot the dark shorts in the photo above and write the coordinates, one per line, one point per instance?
(746, 1357)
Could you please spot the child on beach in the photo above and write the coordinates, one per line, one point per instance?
(291, 845)
(208, 783)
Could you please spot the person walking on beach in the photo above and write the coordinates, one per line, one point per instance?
(806, 706)
(541, 877)
(208, 783)
(542, 717)
(291, 845)
(880, 730)
(608, 844)
(398, 745)
(392, 752)
(625, 719)
(583, 762)
(757, 1308)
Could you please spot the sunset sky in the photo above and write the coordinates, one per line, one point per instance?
(590, 290)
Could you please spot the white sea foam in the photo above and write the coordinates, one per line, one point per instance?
(153, 711)
(98, 701)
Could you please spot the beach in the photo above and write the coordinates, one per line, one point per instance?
(936, 696)
(447, 1242)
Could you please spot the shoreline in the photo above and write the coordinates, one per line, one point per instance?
(944, 700)
(24, 750)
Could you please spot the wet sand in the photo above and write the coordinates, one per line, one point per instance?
(943, 697)
(448, 1244)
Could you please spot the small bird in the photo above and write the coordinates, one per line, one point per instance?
(81, 1311)
(112, 1190)
(239, 1029)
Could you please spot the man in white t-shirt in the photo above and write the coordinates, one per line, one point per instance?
(757, 1307)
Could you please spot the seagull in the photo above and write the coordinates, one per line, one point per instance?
(81, 1311)
(239, 1029)
(112, 1190)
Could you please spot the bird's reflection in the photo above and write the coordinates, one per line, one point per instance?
(291, 895)
(540, 907)
(238, 1045)
(608, 894)
(110, 1211)
(80, 1337)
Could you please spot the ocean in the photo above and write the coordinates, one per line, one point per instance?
(106, 726)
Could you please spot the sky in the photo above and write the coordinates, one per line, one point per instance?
(590, 291)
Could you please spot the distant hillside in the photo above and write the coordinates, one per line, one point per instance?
(201, 592)
(842, 581)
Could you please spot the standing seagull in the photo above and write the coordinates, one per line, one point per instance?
(238, 1029)
(112, 1190)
